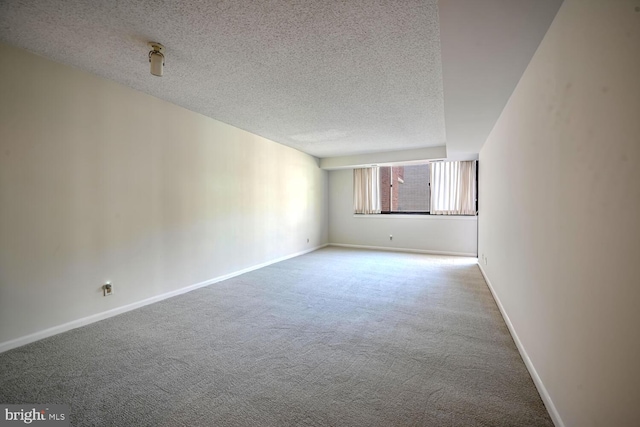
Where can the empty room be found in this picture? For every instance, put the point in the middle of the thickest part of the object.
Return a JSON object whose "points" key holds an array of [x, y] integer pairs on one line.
{"points": [[320, 213]]}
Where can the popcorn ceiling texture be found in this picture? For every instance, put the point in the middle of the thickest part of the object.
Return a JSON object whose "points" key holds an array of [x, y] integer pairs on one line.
{"points": [[326, 77]]}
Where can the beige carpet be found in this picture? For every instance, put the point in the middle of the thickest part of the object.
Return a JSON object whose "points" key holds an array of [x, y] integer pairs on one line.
{"points": [[337, 337]]}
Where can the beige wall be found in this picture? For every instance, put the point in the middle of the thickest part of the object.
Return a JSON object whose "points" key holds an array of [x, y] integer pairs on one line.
{"points": [[100, 182], [560, 212], [428, 233]]}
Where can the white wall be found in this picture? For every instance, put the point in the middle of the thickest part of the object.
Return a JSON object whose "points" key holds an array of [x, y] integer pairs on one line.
{"points": [[100, 182], [437, 234], [386, 158], [560, 212]]}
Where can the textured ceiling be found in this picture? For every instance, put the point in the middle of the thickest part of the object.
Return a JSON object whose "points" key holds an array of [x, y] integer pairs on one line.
{"points": [[331, 78], [327, 77]]}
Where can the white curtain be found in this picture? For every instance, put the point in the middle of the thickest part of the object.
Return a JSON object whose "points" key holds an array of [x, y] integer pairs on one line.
{"points": [[366, 191], [453, 188]]}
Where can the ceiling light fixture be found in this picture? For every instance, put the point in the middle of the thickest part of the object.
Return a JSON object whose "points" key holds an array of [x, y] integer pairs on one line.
{"points": [[156, 58]]}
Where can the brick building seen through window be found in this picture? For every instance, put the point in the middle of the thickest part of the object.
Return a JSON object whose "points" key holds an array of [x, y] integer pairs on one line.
{"points": [[405, 189]]}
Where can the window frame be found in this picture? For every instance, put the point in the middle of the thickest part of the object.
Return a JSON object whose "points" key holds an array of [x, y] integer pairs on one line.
{"points": [[390, 212], [422, 213]]}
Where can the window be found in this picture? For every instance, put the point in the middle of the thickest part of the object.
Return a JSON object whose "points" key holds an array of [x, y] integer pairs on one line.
{"points": [[438, 188], [405, 189]]}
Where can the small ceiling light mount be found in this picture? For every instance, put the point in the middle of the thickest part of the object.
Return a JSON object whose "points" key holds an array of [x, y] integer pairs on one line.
{"points": [[156, 58]]}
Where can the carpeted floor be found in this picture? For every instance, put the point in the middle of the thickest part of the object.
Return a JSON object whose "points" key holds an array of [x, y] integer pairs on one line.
{"points": [[337, 337]]}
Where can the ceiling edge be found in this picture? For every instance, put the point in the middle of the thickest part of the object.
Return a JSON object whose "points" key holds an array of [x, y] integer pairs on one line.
{"points": [[387, 157]]}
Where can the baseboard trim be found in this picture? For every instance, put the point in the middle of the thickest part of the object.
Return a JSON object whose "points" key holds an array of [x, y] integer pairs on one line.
{"points": [[551, 408], [417, 251], [27, 339]]}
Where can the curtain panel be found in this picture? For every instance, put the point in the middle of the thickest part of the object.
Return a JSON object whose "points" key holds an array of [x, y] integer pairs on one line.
{"points": [[453, 188], [366, 190]]}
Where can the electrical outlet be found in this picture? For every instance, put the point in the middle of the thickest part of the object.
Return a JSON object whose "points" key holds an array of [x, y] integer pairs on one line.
{"points": [[107, 289], [485, 261], [390, 236]]}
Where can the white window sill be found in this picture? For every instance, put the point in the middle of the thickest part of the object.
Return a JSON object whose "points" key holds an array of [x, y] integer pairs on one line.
{"points": [[418, 216]]}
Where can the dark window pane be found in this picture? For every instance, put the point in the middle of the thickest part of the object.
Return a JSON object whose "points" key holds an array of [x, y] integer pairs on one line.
{"points": [[385, 188], [411, 189], [405, 188]]}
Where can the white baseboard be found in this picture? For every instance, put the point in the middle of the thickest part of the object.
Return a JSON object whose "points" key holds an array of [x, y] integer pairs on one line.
{"points": [[551, 408], [18, 342], [418, 251]]}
